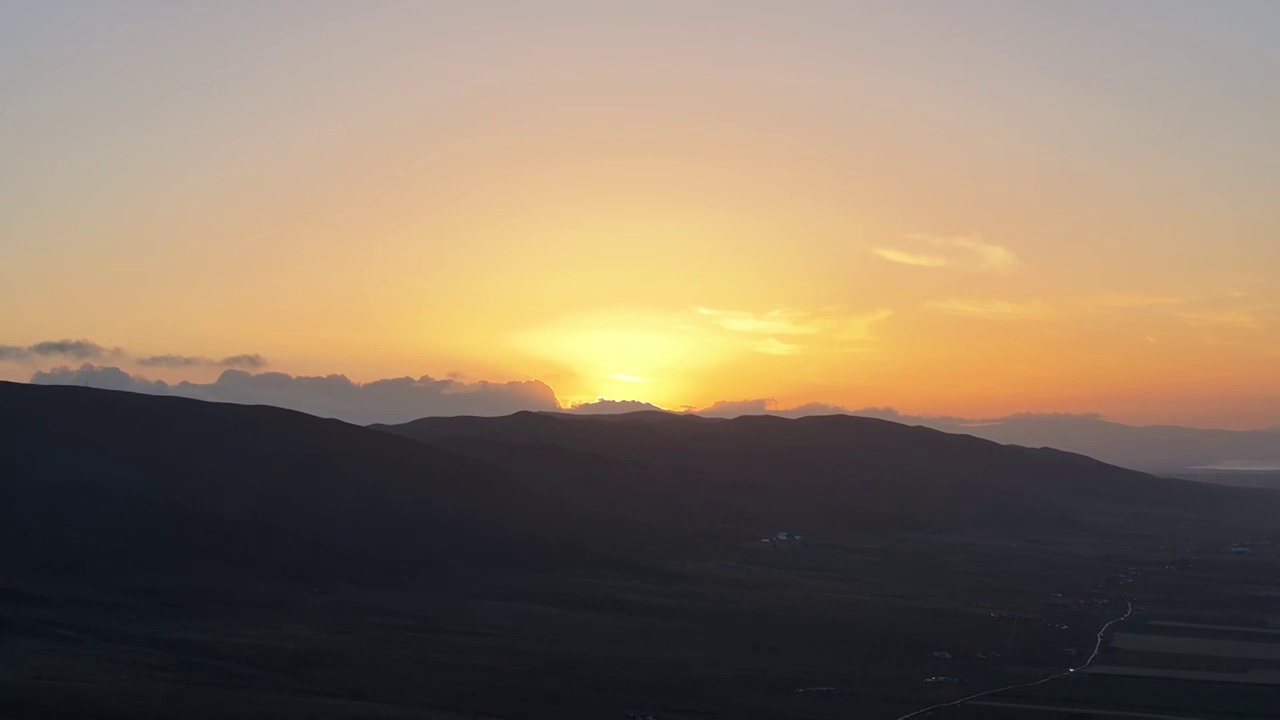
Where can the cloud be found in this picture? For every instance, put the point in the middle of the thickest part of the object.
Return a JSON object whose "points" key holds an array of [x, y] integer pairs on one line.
{"points": [[989, 308], [813, 408], [185, 361], [73, 349], [1238, 318], [992, 257], [89, 350], [774, 346], [970, 250], [613, 407], [906, 258], [106, 378], [1133, 300], [737, 408], [387, 401], [845, 329], [776, 322], [251, 361], [173, 361]]}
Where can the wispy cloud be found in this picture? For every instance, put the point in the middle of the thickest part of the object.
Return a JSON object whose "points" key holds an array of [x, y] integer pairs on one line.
{"points": [[72, 349], [249, 361], [830, 328], [627, 378], [990, 308], [776, 322], [957, 250], [173, 361], [89, 350], [1245, 318], [860, 327], [907, 258], [774, 346], [252, 360], [992, 257], [1133, 300]]}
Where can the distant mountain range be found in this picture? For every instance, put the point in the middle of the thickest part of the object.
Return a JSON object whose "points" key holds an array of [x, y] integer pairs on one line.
{"points": [[1164, 449], [1153, 448], [1159, 449]]}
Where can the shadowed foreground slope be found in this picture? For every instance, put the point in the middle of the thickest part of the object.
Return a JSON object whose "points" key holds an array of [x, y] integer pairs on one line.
{"points": [[162, 557]]}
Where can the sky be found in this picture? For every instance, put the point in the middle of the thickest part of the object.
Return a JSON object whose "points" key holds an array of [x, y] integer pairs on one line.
{"points": [[965, 209]]}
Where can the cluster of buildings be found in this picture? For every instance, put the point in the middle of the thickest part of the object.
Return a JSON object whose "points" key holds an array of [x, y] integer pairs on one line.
{"points": [[782, 540]]}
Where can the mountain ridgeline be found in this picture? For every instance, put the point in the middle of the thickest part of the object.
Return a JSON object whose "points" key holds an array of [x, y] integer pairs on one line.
{"points": [[117, 484]]}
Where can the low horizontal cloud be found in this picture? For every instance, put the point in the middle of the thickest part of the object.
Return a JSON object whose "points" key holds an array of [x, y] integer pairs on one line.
{"points": [[173, 361], [244, 361], [612, 407], [387, 401], [989, 308], [70, 349], [737, 408], [253, 361], [89, 350]]}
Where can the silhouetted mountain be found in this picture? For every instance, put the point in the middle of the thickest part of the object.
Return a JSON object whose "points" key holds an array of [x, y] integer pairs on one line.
{"points": [[122, 485], [164, 557], [855, 471], [110, 483]]}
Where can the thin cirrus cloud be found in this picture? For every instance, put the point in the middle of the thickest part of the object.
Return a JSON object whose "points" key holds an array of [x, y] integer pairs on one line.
{"points": [[990, 308], [830, 329], [951, 250], [775, 322], [1238, 318], [774, 346], [1121, 301], [907, 258]]}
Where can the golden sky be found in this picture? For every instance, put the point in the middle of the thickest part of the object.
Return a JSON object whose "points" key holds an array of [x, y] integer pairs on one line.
{"points": [[967, 209]]}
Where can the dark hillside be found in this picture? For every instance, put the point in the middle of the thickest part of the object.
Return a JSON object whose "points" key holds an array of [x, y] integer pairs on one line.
{"points": [[163, 558], [859, 470]]}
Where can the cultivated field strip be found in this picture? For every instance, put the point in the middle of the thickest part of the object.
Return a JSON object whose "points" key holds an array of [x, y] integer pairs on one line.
{"points": [[1196, 646]]}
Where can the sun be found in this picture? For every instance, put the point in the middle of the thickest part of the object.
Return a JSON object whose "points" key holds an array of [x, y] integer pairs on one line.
{"points": [[625, 355]]}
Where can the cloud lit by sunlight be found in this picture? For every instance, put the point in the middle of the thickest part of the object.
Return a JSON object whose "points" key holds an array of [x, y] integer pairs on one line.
{"points": [[990, 308], [774, 346], [775, 322], [974, 251], [906, 258]]}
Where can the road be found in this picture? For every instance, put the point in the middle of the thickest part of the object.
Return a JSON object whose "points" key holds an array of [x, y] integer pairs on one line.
{"points": [[1097, 648]]}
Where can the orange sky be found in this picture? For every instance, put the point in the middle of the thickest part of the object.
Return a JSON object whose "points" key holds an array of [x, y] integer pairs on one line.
{"points": [[949, 211]]}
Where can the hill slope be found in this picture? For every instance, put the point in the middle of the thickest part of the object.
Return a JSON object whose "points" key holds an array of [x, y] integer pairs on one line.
{"points": [[859, 470]]}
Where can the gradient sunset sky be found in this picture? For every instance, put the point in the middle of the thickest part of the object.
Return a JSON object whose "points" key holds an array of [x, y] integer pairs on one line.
{"points": [[961, 208]]}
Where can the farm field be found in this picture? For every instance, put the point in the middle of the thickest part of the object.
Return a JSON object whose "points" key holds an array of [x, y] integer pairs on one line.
{"points": [[1198, 647]]}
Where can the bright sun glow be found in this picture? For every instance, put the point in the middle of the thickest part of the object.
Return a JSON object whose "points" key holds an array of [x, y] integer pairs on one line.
{"points": [[641, 356]]}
